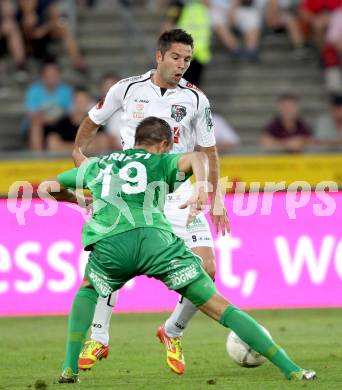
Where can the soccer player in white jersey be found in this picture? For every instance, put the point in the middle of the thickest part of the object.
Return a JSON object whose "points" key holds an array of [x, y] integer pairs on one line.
{"points": [[164, 93]]}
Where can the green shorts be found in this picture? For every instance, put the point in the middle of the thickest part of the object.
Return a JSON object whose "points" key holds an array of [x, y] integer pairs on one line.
{"points": [[145, 251]]}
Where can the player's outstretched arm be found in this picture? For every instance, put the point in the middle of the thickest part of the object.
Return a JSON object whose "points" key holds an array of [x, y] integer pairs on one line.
{"points": [[86, 132], [57, 191], [196, 163], [218, 212]]}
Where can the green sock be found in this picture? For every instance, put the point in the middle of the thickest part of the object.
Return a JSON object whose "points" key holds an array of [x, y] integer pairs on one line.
{"points": [[80, 318], [251, 333]]}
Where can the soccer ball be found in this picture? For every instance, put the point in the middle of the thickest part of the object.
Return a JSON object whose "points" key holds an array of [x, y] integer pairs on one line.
{"points": [[241, 353]]}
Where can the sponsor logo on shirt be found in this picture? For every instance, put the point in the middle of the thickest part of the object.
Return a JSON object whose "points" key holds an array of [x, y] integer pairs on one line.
{"points": [[208, 119], [146, 101], [176, 135], [139, 111], [178, 112], [192, 86], [100, 103], [131, 79]]}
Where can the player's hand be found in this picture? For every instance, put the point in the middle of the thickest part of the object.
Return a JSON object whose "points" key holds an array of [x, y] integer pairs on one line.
{"points": [[78, 157], [219, 216], [196, 203]]}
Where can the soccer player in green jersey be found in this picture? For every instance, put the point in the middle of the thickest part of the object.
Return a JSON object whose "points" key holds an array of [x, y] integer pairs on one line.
{"points": [[128, 235]]}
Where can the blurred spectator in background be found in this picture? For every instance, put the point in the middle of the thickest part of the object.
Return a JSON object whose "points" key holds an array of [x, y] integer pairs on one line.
{"points": [[193, 17], [280, 15], [219, 13], [46, 101], [328, 127], [195, 20], [316, 14], [334, 39], [334, 34], [11, 39], [60, 136], [87, 3], [287, 131], [107, 81], [246, 17], [113, 126], [173, 11], [42, 22], [225, 135]]}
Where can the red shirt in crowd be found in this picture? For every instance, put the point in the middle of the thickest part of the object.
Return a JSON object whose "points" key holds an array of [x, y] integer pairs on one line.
{"points": [[317, 6]]}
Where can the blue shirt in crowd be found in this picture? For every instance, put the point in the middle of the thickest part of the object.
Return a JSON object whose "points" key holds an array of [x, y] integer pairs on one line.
{"points": [[38, 98]]}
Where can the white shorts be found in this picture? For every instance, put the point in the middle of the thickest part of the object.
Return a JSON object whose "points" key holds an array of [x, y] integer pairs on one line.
{"points": [[219, 15], [198, 233], [247, 19], [244, 18]]}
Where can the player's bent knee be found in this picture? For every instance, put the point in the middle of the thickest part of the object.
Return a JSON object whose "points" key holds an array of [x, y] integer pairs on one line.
{"points": [[199, 291]]}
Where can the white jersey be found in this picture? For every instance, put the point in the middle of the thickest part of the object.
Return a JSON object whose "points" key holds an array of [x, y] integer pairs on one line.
{"points": [[185, 108], [187, 111]]}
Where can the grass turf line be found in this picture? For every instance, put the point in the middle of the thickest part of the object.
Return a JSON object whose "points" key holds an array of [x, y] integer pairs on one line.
{"points": [[32, 351]]}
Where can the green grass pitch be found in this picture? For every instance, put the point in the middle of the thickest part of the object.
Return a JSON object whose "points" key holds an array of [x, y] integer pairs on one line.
{"points": [[32, 352]]}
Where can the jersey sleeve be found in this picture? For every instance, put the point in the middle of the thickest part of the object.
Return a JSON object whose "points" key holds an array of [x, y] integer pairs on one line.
{"points": [[79, 177], [203, 123], [172, 175], [109, 104], [68, 178]]}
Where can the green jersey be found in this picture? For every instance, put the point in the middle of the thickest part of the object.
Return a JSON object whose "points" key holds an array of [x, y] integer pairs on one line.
{"points": [[128, 188]]}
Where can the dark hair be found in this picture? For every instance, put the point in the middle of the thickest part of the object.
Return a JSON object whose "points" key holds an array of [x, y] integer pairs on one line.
{"points": [[288, 96], [336, 100], [153, 130], [174, 36]]}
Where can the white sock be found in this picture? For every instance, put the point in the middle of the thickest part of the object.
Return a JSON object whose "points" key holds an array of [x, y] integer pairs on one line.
{"points": [[180, 317], [102, 316]]}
